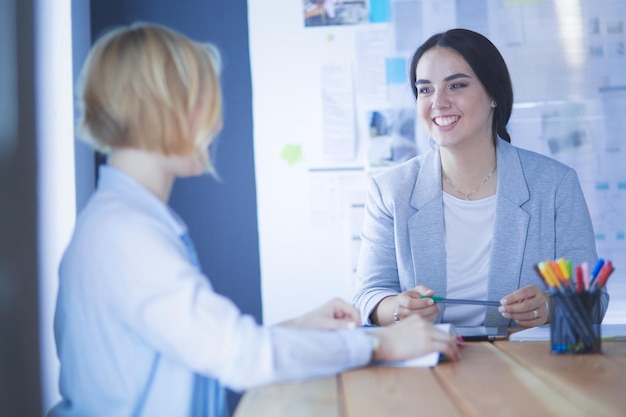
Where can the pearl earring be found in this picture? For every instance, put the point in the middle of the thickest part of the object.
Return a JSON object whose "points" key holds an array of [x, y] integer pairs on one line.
{"points": [[494, 103]]}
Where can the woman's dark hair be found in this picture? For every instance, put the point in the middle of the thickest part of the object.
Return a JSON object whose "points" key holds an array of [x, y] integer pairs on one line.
{"points": [[486, 62]]}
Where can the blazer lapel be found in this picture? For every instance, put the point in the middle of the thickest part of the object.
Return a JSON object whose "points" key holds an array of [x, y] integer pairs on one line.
{"points": [[510, 230], [428, 255]]}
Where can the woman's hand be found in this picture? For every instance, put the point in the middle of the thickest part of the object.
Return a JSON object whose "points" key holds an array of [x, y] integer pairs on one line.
{"points": [[414, 337], [332, 315], [408, 303], [528, 306]]}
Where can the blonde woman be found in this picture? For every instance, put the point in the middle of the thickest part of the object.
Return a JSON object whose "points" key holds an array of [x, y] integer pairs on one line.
{"points": [[139, 329]]}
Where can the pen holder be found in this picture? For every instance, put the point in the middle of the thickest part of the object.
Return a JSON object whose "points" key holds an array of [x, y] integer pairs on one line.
{"points": [[571, 323]]}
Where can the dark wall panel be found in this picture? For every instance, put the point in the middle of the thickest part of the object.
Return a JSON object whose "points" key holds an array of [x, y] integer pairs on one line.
{"points": [[19, 297]]}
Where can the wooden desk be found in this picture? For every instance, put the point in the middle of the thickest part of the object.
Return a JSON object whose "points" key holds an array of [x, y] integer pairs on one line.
{"points": [[499, 379]]}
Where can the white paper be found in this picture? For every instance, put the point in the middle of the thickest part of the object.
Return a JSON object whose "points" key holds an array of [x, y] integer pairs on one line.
{"points": [[542, 333], [425, 361]]}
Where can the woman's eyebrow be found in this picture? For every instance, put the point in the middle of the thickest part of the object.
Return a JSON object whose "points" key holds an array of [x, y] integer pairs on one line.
{"points": [[448, 78], [456, 76]]}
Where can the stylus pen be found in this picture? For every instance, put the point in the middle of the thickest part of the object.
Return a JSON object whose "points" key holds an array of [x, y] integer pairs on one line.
{"points": [[460, 301]]}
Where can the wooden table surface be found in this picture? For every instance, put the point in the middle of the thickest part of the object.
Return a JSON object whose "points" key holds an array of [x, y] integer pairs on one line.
{"points": [[491, 379]]}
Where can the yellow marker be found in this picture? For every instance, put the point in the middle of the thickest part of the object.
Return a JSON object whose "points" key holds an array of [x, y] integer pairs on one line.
{"points": [[565, 271]]}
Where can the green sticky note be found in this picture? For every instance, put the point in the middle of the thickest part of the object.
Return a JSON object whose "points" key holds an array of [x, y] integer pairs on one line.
{"points": [[291, 154]]}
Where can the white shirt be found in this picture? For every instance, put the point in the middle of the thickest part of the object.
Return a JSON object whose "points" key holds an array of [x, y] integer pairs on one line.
{"points": [[135, 319], [468, 231]]}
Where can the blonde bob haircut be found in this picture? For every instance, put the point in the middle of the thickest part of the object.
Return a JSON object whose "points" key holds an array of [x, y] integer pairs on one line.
{"points": [[148, 87]]}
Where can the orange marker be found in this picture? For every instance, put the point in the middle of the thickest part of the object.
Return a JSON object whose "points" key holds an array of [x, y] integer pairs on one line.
{"points": [[564, 269], [548, 274]]}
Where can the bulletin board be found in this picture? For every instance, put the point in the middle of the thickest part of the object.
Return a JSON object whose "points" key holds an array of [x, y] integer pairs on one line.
{"points": [[332, 105]]}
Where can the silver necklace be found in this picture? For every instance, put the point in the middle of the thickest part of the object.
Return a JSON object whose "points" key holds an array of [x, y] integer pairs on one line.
{"points": [[467, 195]]}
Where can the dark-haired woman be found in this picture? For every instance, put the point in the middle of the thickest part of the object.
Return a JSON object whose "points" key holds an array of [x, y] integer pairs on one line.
{"points": [[471, 217]]}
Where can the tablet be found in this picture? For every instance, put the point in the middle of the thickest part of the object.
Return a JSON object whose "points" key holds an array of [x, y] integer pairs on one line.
{"points": [[474, 333]]}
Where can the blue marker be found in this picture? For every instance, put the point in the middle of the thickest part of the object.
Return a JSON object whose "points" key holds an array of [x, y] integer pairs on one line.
{"points": [[596, 270]]}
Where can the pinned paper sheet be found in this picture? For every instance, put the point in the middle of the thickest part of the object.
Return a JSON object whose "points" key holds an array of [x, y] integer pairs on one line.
{"points": [[339, 142]]}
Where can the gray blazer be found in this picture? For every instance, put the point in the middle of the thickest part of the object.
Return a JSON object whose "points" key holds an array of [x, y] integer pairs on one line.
{"points": [[541, 214]]}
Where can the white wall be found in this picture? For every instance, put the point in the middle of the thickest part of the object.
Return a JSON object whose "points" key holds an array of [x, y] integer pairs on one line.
{"points": [[566, 59]]}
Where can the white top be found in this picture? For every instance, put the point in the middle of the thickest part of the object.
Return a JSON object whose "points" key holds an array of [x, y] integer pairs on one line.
{"points": [[468, 230], [135, 319]]}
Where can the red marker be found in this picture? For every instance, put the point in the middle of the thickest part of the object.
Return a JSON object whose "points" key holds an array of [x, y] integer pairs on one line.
{"points": [[579, 279], [603, 275]]}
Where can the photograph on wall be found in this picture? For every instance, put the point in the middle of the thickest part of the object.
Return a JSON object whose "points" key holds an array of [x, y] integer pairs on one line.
{"points": [[335, 12], [391, 137]]}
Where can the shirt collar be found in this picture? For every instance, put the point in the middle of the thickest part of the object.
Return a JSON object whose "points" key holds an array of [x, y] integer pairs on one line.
{"points": [[116, 180]]}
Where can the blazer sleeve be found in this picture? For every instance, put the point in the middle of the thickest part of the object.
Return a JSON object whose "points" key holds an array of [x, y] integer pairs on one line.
{"points": [[575, 238], [377, 271]]}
